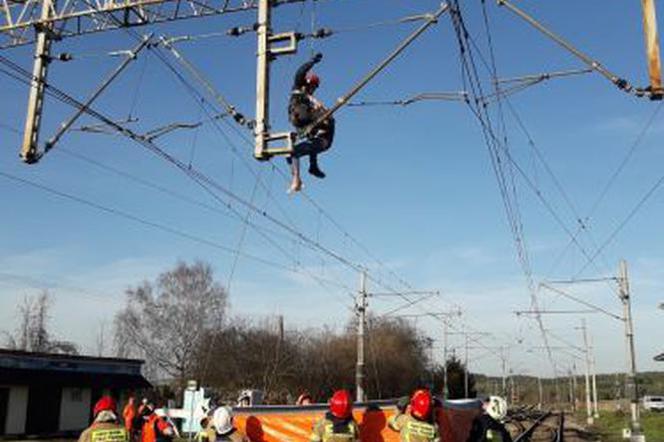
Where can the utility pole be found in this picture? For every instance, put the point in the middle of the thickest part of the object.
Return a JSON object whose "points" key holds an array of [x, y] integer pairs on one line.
{"points": [[361, 309], [539, 392], [593, 367], [624, 294], [265, 54], [652, 48], [45, 34], [503, 363], [589, 415], [571, 389], [576, 388], [625, 298], [446, 390], [465, 373]]}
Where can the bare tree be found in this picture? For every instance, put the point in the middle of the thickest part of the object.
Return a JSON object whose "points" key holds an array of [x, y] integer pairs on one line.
{"points": [[167, 322], [32, 333]]}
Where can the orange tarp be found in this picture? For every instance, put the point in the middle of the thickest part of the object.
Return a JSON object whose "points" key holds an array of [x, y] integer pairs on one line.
{"points": [[295, 425]]}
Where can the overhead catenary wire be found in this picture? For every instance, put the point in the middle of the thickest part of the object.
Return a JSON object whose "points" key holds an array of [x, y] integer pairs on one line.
{"points": [[473, 84], [71, 101], [205, 182], [619, 82], [612, 179], [202, 100]]}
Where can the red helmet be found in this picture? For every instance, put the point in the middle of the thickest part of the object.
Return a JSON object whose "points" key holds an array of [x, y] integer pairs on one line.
{"points": [[341, 404], [313, 80], [105, 403], [421, 404]]}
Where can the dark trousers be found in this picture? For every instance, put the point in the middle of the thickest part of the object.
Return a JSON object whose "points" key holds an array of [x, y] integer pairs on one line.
{"points": [[311, 146]]}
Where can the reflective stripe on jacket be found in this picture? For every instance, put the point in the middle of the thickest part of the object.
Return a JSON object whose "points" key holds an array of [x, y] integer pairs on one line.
{"points": [[414, 430], [323, 431]]}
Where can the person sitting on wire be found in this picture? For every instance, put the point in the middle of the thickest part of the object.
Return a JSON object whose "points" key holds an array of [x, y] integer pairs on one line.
{"points": [[304, 110]]}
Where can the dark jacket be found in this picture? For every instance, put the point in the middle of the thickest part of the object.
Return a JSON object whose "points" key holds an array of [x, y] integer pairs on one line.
{"points": [[482, 425]]}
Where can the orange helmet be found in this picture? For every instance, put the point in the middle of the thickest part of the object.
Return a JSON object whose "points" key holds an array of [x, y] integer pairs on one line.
{"points": [[341, 404], [105, 403], [312, 80], [421, 404]]}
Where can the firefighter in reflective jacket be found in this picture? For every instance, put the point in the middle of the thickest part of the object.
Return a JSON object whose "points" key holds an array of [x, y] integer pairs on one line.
{"points": [[338, 424], [487, 426], [106, 426], [415, 422], [156, 428]]}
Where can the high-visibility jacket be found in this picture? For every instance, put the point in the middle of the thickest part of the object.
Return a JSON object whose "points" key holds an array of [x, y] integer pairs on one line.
{"points": [[129, 414], [155, 429], [104, 432], [327, 430], [414, 430]]}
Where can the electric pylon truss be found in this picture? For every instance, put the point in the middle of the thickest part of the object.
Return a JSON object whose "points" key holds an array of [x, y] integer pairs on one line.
{"points": [[20, 18]]}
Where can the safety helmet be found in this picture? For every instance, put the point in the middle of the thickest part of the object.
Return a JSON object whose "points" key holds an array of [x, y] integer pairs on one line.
{"points": [[105, 403], [496, 407], [312, 80], [222, 419], [421, 404], [341, 404]]}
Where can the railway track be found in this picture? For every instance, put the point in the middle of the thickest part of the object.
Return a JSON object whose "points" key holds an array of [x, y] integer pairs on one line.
{"points": [[540, 426]]}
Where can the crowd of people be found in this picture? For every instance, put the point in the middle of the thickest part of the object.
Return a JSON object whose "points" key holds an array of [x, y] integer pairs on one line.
{"points": [[416, 420], [144, 423]]}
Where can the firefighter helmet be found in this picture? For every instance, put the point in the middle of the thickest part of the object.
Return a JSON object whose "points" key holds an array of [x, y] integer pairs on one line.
{"points": [[341, 404], [421, 404], [496, 407], [105, 403], [222, 420]]}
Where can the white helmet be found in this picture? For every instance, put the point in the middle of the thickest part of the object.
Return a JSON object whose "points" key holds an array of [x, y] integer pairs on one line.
{"points": [[496, 407], [222, 419]]}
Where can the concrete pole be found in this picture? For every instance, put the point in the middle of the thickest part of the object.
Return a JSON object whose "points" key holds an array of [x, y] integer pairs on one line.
{"points": [[629, 336], [539, 393], [446, 390], [263, 32], [361, 307], [465, 373], [503, 361], [576, 387], [652, 47], [589, 415], [30, 148], [593, 366], [571, 388]]}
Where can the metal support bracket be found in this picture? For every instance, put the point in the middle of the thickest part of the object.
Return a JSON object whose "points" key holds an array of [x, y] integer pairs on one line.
{"points": [[291, 48], [284, 148]]}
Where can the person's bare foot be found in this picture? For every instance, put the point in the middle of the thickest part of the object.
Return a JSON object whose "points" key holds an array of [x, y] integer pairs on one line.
{"points": [[296, 186]]}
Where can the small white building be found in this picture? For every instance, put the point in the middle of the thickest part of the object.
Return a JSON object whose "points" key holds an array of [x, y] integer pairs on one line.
{"points": [[49, 394]]}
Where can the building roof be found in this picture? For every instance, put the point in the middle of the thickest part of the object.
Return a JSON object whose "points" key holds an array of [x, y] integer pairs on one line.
{"points": [[72, 379], [21, 367], [34, 354]]}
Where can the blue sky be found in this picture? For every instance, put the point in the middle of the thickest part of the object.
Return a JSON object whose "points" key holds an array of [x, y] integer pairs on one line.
{"points": [[413, 185]]}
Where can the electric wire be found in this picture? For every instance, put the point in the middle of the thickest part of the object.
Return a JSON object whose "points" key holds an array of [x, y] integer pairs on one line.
{"points": [[202, 180]]}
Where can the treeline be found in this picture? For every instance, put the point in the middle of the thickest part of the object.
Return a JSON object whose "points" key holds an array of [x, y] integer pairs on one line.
{"points": [[180, 325]]}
